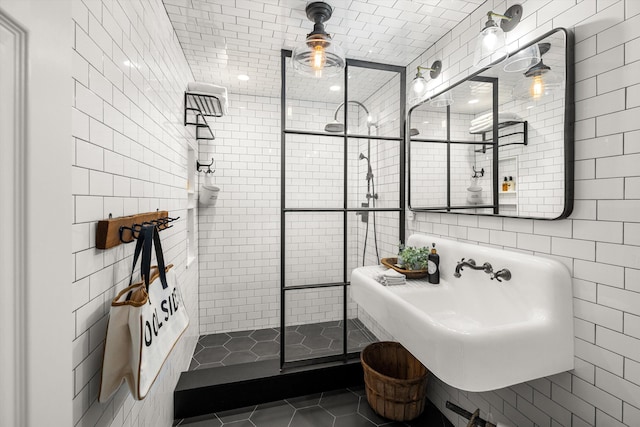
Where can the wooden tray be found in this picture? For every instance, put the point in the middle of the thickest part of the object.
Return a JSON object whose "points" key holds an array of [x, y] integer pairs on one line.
{"points": [[410, 274]]}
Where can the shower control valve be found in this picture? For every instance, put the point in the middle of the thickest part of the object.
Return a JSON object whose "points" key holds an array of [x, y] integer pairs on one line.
{"points": [[372, 196]]}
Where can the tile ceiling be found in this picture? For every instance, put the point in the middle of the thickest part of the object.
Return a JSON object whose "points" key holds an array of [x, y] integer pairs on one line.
{"points": [[224, 38]]}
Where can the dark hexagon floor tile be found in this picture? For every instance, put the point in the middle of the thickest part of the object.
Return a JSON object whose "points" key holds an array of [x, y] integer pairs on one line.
{"points": [[193, 365], [340, 402], [237, 357], [313, 416], [365, 410], [336, 345], [359, 390], [209, 420], [214, 340], [241, 423], [237, 414], [264, 334], [274, 414], [357, 337], [329, 324], [240, 344], [240, 333], [296, 350], [334, 332], [353, 420], [310, 329], [305, 401], [199, 347], [266, 348], [211, 354], [316, 342], [291, 338]]}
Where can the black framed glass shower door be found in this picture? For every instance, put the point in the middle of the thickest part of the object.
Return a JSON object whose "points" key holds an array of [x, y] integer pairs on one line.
{"points": [[342, 200]]}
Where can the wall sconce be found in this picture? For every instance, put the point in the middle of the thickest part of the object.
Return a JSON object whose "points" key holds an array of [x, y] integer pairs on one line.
{"points": [[491, 42], [418, 87], [318, 56], [541, 79]]}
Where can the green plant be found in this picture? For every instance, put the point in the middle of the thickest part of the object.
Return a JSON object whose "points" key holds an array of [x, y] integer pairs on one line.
{"points": [[414, 258]]}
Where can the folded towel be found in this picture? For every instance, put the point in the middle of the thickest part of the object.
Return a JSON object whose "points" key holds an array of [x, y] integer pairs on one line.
{"points": [[220, 92], [391, 277], [484, 123], [503, 116]]}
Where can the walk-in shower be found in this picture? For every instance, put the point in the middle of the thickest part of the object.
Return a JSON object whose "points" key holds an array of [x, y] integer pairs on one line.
{"points": [[337, 127]]}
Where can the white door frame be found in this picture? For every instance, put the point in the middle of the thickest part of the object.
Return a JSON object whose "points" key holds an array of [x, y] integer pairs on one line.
{"points": [[35, 213]]}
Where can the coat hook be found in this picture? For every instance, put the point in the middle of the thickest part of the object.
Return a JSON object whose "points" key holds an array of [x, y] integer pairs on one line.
{"points": [[477, 174], [202, 165]]}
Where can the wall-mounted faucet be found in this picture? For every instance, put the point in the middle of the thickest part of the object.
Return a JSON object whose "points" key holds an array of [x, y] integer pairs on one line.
{"points": [[499, 275], [486, 267]]}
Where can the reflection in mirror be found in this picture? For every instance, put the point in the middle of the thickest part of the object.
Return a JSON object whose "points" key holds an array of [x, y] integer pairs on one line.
{"points": [[526, 157]]}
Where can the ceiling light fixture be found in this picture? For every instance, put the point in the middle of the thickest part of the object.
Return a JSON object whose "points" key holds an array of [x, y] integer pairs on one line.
{"points": [[418, 87], [334, 88], [318, 56], [491, 43], [243, 77], [473, 101]]}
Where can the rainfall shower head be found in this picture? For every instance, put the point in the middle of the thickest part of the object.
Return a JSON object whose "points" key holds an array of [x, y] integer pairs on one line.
{"points": [[334, 127]]}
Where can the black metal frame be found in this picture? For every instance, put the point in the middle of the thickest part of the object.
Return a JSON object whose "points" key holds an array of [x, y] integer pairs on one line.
{"points": [[284, 55], [205, 106], [569, 119]]}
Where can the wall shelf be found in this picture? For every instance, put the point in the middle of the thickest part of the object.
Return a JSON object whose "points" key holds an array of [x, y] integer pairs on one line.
{"points": [[524, 133], [197, 107]]}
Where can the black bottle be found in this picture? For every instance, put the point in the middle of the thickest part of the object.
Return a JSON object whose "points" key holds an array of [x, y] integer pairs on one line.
{"points": [[433, 275]]}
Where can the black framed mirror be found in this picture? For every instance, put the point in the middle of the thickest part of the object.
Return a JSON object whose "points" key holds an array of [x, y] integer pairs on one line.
{"points": [[458, 161]]}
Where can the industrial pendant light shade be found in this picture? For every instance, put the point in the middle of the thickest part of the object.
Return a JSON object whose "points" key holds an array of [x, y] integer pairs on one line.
{"points": [[491, 44], [541, 80], [319, 56], [418, 87]]}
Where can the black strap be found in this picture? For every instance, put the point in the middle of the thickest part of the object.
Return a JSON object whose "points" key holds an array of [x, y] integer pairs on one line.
{"points": [[152, 238], [136, 255]]}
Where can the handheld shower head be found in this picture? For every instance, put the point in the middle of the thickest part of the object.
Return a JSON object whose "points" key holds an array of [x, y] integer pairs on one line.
{"points": [[369, 170]]}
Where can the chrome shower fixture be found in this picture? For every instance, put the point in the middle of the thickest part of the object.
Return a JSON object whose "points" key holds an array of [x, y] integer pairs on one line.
{"points": [[337, 127]]}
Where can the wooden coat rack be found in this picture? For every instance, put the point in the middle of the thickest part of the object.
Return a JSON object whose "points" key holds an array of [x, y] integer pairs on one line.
{"points": [[113, 231]]}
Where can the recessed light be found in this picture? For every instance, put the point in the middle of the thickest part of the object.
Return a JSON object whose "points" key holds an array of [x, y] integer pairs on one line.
{"points": [[473, 101], [243, 77], [529, 107], [426, 122], [334, 88]]}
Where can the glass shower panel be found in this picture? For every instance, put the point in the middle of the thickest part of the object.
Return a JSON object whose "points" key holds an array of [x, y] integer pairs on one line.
{"points": [[310, 103], [428, 184], [371, 237], [358, 334], [314, 172], [428, 123], [374, 102], [314, 244], [373, 173], [314, 323]]}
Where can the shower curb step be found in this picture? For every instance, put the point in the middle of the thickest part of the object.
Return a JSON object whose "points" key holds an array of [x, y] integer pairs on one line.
{"points": [[206, 391]]}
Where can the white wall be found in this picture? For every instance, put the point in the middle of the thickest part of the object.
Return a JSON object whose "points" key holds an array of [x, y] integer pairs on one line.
{"points": [[599, 243], [129, 156]]}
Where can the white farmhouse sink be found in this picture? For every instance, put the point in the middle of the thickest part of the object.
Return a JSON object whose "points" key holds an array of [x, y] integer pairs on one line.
{"points": [[474, 333]]}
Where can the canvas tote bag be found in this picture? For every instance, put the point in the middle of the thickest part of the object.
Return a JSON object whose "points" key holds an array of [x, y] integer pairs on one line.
{"points": [[145, 322]]}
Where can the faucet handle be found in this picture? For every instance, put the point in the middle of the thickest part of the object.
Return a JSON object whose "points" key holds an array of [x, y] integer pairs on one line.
{"points": [[504, 273]]}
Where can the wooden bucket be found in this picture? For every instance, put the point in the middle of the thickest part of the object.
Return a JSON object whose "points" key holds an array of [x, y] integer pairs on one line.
{"points": [[395, 381]]}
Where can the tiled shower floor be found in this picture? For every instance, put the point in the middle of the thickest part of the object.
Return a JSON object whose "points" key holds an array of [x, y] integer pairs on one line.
{"points": [[302, 342], [337, 408]]}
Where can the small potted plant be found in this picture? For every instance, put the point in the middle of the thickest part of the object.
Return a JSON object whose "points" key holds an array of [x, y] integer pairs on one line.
{"points": [[414, 258]]}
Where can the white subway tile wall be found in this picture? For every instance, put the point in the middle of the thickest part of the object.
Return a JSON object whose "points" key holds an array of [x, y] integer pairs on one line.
{"points": [[598, 242], [130, 157]]}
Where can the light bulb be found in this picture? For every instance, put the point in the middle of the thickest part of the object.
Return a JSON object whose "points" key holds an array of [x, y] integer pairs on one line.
{"points": [[490, 39], [318, 58], [418, 85], [537, 87]]}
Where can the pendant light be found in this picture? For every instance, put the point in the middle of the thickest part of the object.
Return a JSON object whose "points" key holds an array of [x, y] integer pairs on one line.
{"points": [[540, 80], [319, 56], [491, 42], [523, 59], [418, 86]]}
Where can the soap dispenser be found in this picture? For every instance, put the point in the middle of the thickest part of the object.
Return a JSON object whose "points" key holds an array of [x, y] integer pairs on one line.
{"points": [[433, 266]]}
